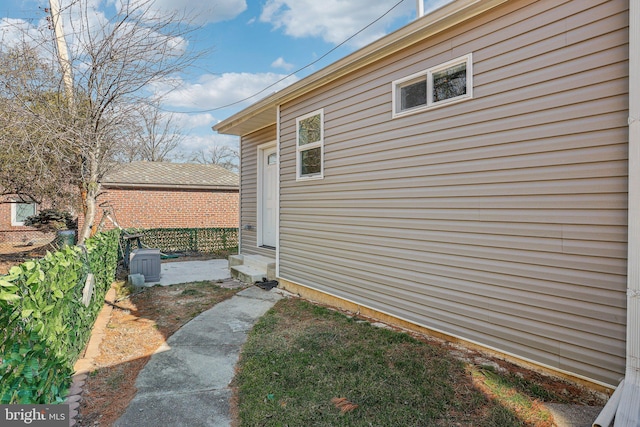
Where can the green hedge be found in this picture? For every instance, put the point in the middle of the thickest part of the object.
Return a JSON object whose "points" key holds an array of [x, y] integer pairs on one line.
{"points": [[220, 241], [45, 326]]}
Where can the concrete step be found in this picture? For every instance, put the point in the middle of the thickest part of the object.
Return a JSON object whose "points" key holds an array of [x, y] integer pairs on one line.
{"points": [[236, 260], [247, 274], [258, 261], [252, 268]]}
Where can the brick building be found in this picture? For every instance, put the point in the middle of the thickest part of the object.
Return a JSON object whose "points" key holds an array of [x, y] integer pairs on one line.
{"points": [[14, 235], [170, 195]]}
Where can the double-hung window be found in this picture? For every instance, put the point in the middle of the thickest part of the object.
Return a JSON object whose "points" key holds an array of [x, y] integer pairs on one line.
{"points": [[440, 85], [21, 211], [310, 145]]}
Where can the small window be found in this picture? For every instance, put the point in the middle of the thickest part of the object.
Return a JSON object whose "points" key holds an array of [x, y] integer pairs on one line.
{"points": [[413, 95], [443, 84], [21, 211], [310, 145], [272, 159]]}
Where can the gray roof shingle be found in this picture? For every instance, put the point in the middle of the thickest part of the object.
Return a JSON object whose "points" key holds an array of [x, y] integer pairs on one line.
{"points": [[161, 174]]}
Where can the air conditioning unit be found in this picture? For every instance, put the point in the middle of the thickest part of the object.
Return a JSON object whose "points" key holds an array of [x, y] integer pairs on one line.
{"points": [[145, 262]]}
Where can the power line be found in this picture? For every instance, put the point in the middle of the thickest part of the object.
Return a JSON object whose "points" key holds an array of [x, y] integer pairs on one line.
{"points": [[297, 71]]}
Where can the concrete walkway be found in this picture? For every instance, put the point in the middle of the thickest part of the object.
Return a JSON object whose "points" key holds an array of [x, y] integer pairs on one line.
{"points": [[186, 382]]}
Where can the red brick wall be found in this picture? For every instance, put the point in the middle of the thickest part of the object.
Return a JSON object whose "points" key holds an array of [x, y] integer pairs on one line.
{"points": [[16, 234], [163, 208], [5, 215]]}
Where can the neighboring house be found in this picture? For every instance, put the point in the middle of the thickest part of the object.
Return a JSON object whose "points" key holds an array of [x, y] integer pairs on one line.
{"points": [[13, 232], [466, 174], [170, 195]]}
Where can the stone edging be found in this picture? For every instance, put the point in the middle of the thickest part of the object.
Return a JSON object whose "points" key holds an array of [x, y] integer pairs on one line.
{"points": [[85, 365]]}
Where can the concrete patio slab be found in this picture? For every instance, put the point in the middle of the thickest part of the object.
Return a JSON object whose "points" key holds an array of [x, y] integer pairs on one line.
{"points": [[173, 273]]}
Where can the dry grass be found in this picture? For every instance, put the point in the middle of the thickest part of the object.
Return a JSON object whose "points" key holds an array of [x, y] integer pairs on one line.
{"points": [[307, 365]]}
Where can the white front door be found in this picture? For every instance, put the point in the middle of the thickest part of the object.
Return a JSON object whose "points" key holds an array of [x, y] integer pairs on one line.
{"points": [[268, 195]]}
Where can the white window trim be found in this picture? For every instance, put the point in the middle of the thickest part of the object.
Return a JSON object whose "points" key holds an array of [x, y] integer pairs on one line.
{"points": [[15, 223], [309, 146], [428, 76]]}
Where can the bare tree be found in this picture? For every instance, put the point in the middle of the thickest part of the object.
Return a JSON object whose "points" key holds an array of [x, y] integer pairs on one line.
{"points": [[34, 165], [154, 138], [221, 155], [113, 60]]}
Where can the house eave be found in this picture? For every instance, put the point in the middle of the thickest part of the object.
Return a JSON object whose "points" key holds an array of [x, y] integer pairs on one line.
{"points": [[263, 113]]}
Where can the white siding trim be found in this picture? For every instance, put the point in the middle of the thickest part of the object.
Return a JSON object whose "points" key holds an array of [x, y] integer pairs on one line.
{"points": [[278, 192]]}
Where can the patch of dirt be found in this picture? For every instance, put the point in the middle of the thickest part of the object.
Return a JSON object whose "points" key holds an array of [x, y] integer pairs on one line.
{"points": [[139, 325], [8, 260]]}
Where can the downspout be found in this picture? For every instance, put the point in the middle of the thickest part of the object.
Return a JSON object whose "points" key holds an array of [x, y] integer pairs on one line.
{"points": [[626, 405]]}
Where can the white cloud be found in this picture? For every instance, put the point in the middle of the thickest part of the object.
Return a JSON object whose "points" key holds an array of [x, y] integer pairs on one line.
{"points": [[281, 63], [190, 121], [332, 20], [14, 32], [215, 91], [335, 20], [201, 12]]}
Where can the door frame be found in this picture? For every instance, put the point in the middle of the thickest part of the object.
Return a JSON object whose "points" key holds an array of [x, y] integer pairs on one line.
{"points": [[259, 202]]}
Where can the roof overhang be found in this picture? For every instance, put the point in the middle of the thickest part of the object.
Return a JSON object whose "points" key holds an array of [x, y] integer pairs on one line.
{"points": [[264, 112], [190, 187]]}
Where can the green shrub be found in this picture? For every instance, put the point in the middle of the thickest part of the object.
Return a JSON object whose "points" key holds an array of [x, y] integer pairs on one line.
{"points": [[52, 220], [44, 324]]}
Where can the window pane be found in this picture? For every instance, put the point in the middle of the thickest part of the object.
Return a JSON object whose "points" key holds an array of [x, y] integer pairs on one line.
{"points": [[24, 210], [309, 130], [413, 95], [450, 83], [310, 161], [272, 158]]}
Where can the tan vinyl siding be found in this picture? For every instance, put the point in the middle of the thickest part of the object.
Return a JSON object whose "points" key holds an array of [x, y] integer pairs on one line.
{"points": [[501, 219], [249, 190]]}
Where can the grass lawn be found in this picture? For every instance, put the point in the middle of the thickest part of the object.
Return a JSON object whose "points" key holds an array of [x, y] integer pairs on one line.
{"points": [[304, 365]]}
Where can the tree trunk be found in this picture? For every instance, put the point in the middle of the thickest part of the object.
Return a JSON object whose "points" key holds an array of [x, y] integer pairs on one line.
{"points": [[89, 205]]}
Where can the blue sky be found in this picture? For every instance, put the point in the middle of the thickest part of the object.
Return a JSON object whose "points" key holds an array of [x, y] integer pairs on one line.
{"points": [[252, 44]]}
